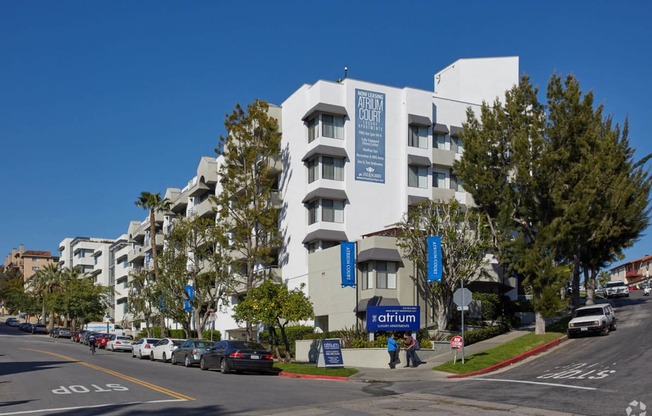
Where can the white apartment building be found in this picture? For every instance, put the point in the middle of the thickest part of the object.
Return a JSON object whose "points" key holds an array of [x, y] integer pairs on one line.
{"points": [[119, 279], [92, 257], [360, 153], [357, 155]]}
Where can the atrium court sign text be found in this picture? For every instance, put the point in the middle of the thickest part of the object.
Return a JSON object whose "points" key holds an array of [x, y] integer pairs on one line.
{"points": [[369, 136]]}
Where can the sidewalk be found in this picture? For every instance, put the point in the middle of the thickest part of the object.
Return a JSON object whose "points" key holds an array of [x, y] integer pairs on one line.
{"points": [[425, 372]]}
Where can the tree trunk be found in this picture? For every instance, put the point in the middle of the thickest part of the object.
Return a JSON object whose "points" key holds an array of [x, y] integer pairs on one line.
{"points": [[575, 284], [540, 324], [442, 318]]}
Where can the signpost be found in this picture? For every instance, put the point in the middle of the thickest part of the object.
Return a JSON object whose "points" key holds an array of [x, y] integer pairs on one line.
{"points": [[462, 298], [457, 343]]}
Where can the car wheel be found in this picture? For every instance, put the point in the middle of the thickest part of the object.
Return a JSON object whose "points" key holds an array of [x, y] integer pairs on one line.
{"points": [[173, 359], [164, 358], [187, 362], [613, 326], [202, 364], [224, 366], [140, 354], [569, 335], [605, 331], [151, 356]]}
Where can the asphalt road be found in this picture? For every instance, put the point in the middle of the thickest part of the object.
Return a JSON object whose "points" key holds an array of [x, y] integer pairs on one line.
{"points": [[600, 375]]}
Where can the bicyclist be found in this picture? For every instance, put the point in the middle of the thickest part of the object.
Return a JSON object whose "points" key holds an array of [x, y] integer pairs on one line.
{"points": [[91, 342]]}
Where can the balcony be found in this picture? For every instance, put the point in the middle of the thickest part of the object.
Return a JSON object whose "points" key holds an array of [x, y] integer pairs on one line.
{"points": [[137, 255], [204, 209], [632, 273], [442, 194], [443, 157]]}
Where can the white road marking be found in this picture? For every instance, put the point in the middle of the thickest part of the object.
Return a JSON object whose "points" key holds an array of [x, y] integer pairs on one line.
{"points": [[26, 412], [532, 382]]}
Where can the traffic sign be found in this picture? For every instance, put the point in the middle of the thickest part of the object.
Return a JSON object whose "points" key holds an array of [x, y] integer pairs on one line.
{"points": [[462, 297], [457, 342], [462, 308]]}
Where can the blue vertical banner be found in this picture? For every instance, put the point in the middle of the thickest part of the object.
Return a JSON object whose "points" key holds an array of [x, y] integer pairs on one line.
{"points": [[434, 258], [369, 136], [347, 259], [190, 292]]}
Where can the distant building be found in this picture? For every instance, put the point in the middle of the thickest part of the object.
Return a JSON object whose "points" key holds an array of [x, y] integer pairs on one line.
{"points": [[633, 273], [28, 262]]}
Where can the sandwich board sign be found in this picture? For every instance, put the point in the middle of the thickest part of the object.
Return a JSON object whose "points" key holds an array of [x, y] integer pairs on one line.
{"points": [[330, 353]]}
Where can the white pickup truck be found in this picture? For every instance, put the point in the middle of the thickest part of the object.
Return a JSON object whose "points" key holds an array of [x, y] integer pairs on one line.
{"points": [[598, 318], [616, 289]]}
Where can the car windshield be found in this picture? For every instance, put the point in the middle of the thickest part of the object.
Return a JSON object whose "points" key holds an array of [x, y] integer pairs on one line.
{"points": [[588, 312], [615, 284], [201, 344]]}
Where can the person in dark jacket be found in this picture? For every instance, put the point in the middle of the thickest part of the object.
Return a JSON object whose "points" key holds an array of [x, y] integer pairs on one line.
{"points": [[392, 349]]}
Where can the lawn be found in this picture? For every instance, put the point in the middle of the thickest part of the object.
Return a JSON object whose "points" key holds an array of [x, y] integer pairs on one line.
{"points": [[307, 368], [499, 354]]}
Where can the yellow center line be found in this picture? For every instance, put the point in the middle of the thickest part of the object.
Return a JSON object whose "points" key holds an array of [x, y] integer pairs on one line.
{"points": [[119, 375]]}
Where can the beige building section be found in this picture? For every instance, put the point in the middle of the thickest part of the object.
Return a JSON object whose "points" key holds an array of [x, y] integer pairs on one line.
{"points": [[28, 262]]}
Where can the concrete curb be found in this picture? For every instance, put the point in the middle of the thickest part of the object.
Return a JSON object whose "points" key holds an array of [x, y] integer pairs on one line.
{"points": [[313, 376], [513, 360]]}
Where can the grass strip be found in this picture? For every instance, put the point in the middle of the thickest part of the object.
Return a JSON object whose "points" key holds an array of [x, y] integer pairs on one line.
{"points": [[307, 368], [498, 354]]}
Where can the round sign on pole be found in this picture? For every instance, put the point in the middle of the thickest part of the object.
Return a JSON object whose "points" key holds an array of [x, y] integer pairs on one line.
{"points": [[457, 342]]}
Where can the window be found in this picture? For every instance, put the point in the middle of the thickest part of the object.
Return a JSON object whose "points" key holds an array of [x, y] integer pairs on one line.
{"points": [[417, 176], [332, 168], [332, 126], [459, 146], [439, 141], [313, 165], [418, 136], [366, 276], [36, 268], [385, 275], [332, 211], [312, 129], [439, 180], [312, 212], [456, 184]]}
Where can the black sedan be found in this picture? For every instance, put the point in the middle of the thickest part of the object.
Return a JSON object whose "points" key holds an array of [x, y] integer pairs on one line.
{"points": [[237, 356], [190, 352]]}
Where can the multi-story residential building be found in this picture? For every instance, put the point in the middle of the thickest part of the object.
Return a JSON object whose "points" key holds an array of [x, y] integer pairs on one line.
{"points": [[90, 256], [358, 155], [634, 273], [28, 262], [119, 279]]}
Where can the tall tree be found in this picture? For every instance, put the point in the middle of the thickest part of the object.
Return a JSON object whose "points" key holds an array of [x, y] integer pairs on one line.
{"points": [[43, 284], [154, 203], [465, 244], [195, 256], [502, 168], [566, 189], [273, 305], [142, 297], [244, 203]]}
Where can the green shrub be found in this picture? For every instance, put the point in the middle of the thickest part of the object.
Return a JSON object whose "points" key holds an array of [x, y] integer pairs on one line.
{"points": [[477, 335], [490, 307]]}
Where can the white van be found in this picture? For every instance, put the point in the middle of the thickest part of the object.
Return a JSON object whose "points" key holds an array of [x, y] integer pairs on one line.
{"points": [[104, 327]]}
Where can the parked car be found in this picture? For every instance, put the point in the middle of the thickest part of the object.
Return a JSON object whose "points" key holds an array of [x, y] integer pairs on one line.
{"points": [[39, 329], [190, 352], [598, 318], [12, 322], [143, 347], [77, 335], [616, 289], [101, 340], [237, 356], [63, 333], [26, 326], [119, 343], [54, 331], [164, 348]]}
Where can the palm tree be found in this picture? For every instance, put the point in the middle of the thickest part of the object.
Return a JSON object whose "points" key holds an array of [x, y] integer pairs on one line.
{"points": [[43, 283], [154, 203]]}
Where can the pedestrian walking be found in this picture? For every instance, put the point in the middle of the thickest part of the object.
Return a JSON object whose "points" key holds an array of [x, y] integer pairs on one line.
{"points": [[410, 352], [392, 349]]}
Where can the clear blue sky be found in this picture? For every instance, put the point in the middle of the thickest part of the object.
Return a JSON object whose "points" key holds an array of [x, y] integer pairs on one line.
{"points": [[102, 100]]}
